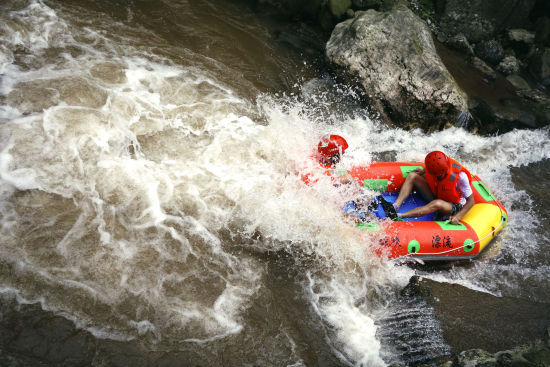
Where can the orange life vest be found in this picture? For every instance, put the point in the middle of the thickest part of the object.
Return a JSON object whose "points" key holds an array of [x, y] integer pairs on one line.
{"points": [[308, 176], [446, 188]]}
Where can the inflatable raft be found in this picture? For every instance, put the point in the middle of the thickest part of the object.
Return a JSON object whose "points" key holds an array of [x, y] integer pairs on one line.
{"points": [[424, 238]]}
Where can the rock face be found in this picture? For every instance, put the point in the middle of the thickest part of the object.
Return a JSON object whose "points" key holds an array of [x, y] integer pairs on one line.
{"points": [[393, 57], [490, 51], [508, 65], [479, 20], [540, 68], [537, 354], [521, 35], [460, 42], [483, 68]]}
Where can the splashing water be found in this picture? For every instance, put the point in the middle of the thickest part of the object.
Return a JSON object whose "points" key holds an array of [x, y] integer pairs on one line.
{"points": [[141, 193]]}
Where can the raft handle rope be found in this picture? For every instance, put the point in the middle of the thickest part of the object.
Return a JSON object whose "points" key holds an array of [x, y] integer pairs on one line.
{"points": [[458, 248]]}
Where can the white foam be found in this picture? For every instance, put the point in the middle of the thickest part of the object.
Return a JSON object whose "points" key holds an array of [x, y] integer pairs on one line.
{"points": [[490, 157], [171, 162], [124, 194], [20, 178], [343, 303]]}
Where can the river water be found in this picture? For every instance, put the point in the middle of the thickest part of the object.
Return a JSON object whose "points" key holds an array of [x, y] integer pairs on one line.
{"points": [[151, 211]]}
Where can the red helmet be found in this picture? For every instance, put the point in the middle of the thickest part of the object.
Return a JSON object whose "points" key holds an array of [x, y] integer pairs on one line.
{"points": [[437, 163], [332, 144]]}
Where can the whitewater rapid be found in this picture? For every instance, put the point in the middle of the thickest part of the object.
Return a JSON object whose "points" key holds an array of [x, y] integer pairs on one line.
{"points": [[140, 192]]}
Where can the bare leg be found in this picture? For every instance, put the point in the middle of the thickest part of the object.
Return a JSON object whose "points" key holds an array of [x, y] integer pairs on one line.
{"points": [[413, 181], [433, 206]]}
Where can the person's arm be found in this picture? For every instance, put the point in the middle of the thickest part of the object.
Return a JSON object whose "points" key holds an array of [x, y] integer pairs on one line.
{"points": [[419, 171], [470, 201]]}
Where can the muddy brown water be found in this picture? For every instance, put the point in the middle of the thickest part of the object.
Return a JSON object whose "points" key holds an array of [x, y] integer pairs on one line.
{"points": [[151, 214]]}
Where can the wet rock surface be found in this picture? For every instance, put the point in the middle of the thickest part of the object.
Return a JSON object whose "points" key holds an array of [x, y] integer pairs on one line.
{"points": [[485, 330], [32, 337], [521, 36], [460, 42], [497, 39], [497, 103], [510, 37], [508, 65], [392, 56], [483, 68], [471, 319], [490, 51], [480, 20], [540, 67]]}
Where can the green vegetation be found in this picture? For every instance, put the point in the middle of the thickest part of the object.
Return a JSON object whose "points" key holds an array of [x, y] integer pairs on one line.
{"points": [[427, 9], [339, 7]]}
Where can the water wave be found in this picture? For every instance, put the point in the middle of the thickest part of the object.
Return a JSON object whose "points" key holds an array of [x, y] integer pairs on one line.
{"points": [[141, 195]]}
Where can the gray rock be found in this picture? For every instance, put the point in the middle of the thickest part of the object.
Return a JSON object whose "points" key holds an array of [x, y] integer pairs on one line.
{"points": [[536, 96], [483, 68], [521, 35], [476, 357], [339, 7], [508, 65], [474, 27], [504, 358], [491, 118], [481, 19], [460, 42], [538, 104], [521, 41], [533, 355], [513, 358], [490, 51], [393, 57], [540, 64], [518, 82]]}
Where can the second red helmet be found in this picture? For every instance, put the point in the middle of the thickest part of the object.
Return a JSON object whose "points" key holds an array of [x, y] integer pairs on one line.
{"points": [[332, 144], [437, 163]]}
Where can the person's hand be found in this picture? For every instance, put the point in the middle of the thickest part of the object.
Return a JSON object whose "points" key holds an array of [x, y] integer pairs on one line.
{"points": [[345, 179], [454, 220], [419, 171], [352, 218]]}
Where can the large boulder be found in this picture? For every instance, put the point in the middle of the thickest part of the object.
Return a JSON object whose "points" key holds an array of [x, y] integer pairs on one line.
{"points": [[393, 57], [480, 20]]}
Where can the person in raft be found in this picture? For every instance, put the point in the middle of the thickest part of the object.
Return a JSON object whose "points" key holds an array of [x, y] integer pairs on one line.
{"points": [[330, 150], [329, 153], [447, 186]]}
